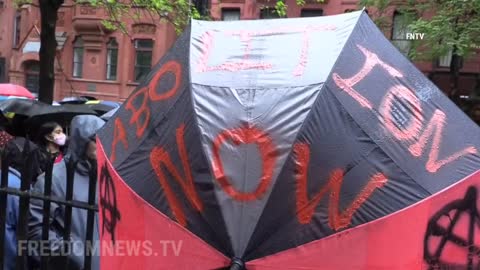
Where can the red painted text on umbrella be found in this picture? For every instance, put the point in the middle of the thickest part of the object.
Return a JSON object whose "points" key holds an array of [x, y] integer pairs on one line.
{"points": [[419, 132]]}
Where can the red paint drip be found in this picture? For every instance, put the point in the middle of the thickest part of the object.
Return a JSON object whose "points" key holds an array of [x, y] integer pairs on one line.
{"points": [[119, 135], [169, 67], [158, 158], [144, 111], [306, 207], [207, 41], [283, 30], [245, 135], [237, 66], [246, 36], [435, 128], [337, 220], [347, 87], [300, 69], [414, 128], [371, 61]]}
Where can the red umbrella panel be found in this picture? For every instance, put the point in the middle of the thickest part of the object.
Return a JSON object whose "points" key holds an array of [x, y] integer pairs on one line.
{"points": [[235, 152], [440, 232], [15, 91]]}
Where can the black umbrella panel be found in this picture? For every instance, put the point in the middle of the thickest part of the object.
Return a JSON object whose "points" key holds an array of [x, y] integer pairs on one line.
{"points": [[24, 107], [61, 114], [30, 114]]}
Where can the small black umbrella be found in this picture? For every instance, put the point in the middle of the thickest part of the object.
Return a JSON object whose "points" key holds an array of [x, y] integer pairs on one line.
{"points": [[31, 114], [73, 100], [100, 108], [24, 107], [109, 114]]}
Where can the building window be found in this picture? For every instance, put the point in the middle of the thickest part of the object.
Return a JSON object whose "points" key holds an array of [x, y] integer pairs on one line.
{"points": [[112, 58], [445, 60], [143, 58], [78, 57], [311, 12], [3, 70], [268, 13], [231, 14], [399, 33], [17, 27], [32, 75]]}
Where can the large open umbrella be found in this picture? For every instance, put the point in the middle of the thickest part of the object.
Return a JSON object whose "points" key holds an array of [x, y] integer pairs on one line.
{"points": [[24, 107], [8, 90], [113, 104], [73, 100], [334, 154], [62, 114], [99, 106], [30, 114], [37, 110]]}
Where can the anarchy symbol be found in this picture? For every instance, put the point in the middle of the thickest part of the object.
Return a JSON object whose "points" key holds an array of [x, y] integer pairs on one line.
{"points": [[108, 200], [435, 256]]}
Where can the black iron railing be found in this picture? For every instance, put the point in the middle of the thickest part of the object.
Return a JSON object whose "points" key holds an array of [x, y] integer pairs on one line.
{"points": [[25, 194]]}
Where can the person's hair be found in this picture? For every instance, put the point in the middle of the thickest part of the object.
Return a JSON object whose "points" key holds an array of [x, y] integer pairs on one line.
{"points": [[14, 155], [3, 122], [43, 131]]}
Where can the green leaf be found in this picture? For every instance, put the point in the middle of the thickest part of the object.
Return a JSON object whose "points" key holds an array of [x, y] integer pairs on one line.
{"points": [[281, 8]]}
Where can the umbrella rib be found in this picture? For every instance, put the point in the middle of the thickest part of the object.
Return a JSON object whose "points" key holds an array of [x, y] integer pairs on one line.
{"points": [[201, 214]]}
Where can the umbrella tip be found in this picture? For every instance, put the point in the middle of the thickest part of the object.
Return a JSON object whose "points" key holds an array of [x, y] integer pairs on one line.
{"points": [[237, 264]]}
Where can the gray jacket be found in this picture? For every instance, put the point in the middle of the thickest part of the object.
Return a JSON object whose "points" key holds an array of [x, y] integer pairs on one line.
{"points": [[82, 130]]}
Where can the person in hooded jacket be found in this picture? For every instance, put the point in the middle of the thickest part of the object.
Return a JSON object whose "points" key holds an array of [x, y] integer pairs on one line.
{"points": [[82, 151]]}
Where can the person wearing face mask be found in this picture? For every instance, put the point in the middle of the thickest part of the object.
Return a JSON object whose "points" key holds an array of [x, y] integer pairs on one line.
{"points": [[82, 151], [52, 139]]}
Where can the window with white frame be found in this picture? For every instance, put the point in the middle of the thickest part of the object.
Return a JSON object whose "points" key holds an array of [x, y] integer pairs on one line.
{"points": [[445, 60], [77, 58], [17, 28], [112, 59], [399, 33], [143, 58]]}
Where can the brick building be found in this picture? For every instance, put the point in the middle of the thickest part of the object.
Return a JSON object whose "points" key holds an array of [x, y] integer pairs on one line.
{"points": [[90, 59], [93, 61]]}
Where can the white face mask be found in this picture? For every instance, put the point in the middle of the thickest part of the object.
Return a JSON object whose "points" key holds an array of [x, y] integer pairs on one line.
{"points": [[60, 139]]}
